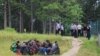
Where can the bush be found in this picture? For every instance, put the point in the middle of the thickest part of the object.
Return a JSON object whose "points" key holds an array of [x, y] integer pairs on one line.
{"points": [[9, 30]]}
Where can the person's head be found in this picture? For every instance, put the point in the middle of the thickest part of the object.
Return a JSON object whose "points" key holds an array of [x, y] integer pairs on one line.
{"points": [[30, 44], [22, 44], [37, 41], [43, 44], [26, 43], [61, 24], [47, 41], [55, 41], [18, 41]]}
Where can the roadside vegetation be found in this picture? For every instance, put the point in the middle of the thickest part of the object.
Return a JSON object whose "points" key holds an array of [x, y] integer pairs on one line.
{"points": [[7, 37], [89, 47]]}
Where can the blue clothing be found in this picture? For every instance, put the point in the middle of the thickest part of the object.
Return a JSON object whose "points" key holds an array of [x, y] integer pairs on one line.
{"points": [[43, 50]]}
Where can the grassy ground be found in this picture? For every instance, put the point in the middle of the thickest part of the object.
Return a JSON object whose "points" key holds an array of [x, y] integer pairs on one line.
{"points": [[89, 48], [7, 38]]}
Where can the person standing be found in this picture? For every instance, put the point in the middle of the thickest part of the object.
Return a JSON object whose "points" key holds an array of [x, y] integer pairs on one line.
{"points": [[71, 29], [85, 30], [62, 30], [79, 29], [58, 27], [88, 32], [75, 31]]}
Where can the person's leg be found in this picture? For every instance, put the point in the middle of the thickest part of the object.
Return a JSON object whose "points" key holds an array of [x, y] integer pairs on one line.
{"points": [[88, 35], [76, 34], [71, 32], [56, 32], [59, 31], [85, 33], [41, 52], [45, 50], [57, 51], [18, 53], [79, 32]]}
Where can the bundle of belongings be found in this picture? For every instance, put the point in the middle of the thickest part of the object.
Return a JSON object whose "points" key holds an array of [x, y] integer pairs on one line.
{"points": [[33, 47]]}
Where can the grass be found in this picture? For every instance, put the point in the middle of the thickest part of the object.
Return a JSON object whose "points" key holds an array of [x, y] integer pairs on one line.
{"points": [[89, 48], [7, 38]]}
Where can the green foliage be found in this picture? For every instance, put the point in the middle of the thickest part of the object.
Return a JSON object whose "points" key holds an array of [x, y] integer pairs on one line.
{"points": [[89, 48], [66, 11], [52, 6], [9, 30], [74, 10], [70, 8]]}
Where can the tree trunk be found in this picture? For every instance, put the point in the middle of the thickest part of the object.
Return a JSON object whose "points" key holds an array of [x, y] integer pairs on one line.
{"points": [[9, 11], [54, 27], [5, 14], [20, 21], [50, 26], [44, 27], [31, 17]]}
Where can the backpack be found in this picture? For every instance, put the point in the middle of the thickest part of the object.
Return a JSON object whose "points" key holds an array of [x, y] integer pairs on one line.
{"points": [[13, 47]]}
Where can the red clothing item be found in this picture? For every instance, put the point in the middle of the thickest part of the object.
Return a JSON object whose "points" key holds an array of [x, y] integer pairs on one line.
{"points": [[18, 53]]}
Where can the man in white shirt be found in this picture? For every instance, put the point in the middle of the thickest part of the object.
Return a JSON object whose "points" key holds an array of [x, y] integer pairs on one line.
{"points": [[75, 30], [71, 29], [58, 25], [79, 26]]}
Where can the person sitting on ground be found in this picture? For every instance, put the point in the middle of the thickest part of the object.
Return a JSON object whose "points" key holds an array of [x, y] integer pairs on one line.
{"points": [[43, 49], [24, 48], [55, 48], [15, 47], [48, 43], [48, 46], [35, 46], [32, 47], [18, 51]]}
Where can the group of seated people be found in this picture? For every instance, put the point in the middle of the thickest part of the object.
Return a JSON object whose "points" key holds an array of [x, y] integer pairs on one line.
{"points": [[33, 47]]}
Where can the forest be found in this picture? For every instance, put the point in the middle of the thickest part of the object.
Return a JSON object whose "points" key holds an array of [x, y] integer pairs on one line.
{"points": [[40, 16]]}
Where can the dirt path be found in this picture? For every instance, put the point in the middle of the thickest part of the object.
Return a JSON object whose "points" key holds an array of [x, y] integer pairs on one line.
{"points": [[76, 44]]}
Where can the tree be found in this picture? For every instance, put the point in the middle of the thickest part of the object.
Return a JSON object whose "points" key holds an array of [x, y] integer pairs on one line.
{"points": [[31, 16], [19, 14], [9, 11], [5, 14], [88, 7]]}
